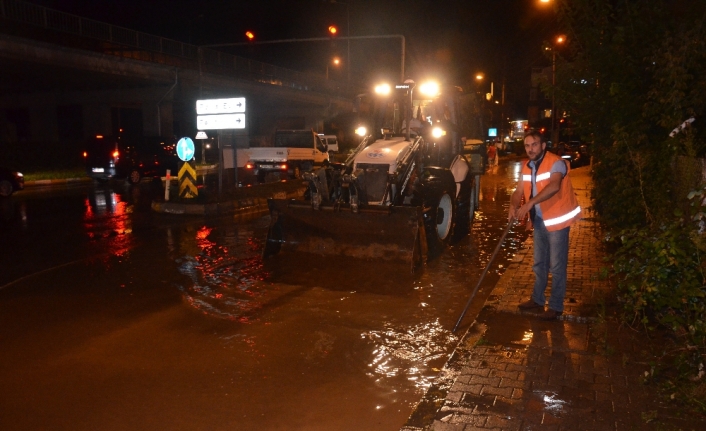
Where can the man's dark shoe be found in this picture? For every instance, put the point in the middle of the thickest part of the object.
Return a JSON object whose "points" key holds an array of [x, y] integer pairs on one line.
{"points": [[550, 314], [529, 304]]}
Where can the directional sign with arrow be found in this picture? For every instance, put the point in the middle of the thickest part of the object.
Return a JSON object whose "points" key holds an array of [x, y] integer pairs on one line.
{"points": [[223, 121], [220, 106]]}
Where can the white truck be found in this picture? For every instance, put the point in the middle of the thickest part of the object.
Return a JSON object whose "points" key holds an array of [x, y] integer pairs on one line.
{"points": [[331, 142], [293, 152]]}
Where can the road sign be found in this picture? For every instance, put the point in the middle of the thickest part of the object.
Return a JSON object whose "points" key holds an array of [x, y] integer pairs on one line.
{"points": [[187, 180], [185, 149], [219, 122], [201, 135], [220, 106]]}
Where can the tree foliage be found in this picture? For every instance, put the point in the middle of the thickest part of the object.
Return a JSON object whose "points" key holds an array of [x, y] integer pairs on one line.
{"points": [[633, 71], [631, 75]]}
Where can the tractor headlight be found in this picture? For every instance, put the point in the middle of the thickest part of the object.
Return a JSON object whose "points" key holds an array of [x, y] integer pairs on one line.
{"points": [[382, 89], [438, 132], [429, 89]]}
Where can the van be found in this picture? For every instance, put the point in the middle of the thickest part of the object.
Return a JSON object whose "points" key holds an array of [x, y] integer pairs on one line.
{"points": [[101, 155], [331, 142]]}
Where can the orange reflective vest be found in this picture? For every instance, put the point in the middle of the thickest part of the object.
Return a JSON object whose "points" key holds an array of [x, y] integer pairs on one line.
{"points": [[560, 210]]}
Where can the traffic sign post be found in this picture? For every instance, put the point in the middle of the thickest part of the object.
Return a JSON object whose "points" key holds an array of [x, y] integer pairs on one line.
{"points": [[202, 136], [222, 114], [187, 180], [187, 170]]}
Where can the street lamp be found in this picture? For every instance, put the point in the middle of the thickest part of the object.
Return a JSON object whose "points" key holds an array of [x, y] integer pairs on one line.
{"points": [[336, 61], [348, 35]]}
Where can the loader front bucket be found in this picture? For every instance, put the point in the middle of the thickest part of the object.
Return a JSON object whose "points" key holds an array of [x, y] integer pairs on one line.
{"points": [[393, 234]]}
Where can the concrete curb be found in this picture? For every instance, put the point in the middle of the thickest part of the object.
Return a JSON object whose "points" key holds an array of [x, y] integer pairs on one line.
{"points": [[240, 207], [200, 170], [57, 181]]}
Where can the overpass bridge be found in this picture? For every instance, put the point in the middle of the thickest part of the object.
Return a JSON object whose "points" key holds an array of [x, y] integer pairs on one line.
{"points": [[64, 78]]}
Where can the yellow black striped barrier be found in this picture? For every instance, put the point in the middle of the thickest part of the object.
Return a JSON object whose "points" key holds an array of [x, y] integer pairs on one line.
{"points": [[187, 180]]}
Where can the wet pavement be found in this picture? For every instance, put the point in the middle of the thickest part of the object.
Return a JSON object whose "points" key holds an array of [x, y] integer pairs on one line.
{"points": [[119, 317], [513, 371], [116, 317]]}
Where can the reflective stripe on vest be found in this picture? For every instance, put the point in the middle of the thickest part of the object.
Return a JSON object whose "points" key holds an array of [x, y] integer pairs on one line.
{"points": [[540, 177], [563, 218], [560, 210]]}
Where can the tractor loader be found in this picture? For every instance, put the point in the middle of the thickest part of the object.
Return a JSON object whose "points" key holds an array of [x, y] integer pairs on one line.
{"points": [[404, 193]]}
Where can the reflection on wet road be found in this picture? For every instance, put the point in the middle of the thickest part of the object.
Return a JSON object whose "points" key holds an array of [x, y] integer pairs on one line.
{"points": [[183, 325], [402, 322]]}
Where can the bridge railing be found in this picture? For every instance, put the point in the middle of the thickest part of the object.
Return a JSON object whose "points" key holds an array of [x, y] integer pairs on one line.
{"points": [[209, 61]]}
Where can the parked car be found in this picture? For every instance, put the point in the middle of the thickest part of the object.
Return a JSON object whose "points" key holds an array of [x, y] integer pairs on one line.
{"points": [[133, 159], [149, 157], [10, 181], [577, 154]]}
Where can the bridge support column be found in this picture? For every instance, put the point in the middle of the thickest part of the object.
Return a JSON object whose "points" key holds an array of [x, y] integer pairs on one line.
{"points": [[158, 120]]}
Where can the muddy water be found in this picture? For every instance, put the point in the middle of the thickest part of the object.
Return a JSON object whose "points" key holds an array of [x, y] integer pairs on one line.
{"points": [[117, 319], [316, 343]]}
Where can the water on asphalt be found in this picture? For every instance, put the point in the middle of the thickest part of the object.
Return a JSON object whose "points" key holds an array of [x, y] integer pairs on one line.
{"points": [[186, 327]]}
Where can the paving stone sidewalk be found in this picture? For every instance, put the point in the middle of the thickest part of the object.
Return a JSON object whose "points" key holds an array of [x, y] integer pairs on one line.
{"points": [[512, 371]]}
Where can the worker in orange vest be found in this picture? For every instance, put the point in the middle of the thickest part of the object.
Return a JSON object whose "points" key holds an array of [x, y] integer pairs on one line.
{"points": [[550, 201]]}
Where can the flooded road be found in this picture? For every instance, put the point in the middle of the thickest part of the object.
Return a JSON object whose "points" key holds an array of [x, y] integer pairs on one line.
{"points": [[130, 320]]}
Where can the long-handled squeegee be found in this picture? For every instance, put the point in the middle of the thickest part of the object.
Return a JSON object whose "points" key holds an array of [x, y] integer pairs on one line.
{"points": [[482, 276]]}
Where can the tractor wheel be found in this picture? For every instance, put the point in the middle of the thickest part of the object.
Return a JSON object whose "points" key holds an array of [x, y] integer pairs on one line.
{"points": [[444, 217]]}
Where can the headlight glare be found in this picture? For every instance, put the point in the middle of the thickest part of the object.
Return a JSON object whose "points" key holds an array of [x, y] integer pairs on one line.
{"points": [[382, 89], [429, 89]]}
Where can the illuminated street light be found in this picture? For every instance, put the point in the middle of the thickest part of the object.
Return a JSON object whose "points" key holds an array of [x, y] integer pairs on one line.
{"points": [[335, 61], [250, 35], [333, 30]]}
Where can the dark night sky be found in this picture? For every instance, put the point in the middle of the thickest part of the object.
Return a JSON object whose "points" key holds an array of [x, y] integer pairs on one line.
{"points": [[451, 40]]}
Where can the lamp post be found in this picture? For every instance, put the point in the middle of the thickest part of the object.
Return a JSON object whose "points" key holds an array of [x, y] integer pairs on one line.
{"points": [[348, 35], [336, 61], [481, 102], [558, 41]]}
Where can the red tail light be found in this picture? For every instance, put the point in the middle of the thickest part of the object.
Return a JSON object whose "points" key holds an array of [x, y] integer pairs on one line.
{"points": [[115, 154], [85, 154]]}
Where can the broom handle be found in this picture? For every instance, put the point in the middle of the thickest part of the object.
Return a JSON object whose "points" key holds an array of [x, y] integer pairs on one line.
{"points": [[482, 276]]}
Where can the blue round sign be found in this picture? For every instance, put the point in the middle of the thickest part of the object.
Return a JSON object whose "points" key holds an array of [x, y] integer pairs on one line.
{"points": [[185, 149]]}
